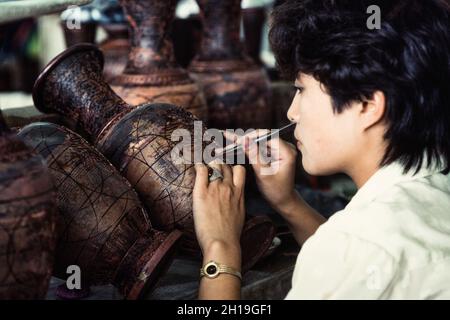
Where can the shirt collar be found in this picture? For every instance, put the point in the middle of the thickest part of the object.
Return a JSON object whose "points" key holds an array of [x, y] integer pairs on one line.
{"points": [[386, 177]]}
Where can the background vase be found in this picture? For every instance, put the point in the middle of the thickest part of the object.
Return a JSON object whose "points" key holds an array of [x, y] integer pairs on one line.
{"points": [[152, 73], [27, 220], [186, 35], [253, 22], [236, 89], [85, 34], [102, 225], [115, 49], [137, 141]]}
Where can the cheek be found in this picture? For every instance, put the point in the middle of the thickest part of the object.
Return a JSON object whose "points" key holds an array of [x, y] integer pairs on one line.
{"points": [[324, 145]]}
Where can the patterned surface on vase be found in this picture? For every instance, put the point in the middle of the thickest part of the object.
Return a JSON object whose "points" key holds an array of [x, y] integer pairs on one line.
{"points": [[137, 140], [27, 220], [101, 217], [152, 73], [236, 90]]}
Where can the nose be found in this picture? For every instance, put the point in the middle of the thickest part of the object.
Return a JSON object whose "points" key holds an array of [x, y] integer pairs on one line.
{"points": [[292, 113]]}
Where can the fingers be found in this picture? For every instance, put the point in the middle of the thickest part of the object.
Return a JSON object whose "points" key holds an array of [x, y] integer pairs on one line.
{"points": [[227, 174], [230, 136], [201, 177], [224, 169], [239, 176], [282, 150]]}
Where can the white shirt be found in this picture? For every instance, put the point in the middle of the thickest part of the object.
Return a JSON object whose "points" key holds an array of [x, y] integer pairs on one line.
{"points": [[392, 241]]}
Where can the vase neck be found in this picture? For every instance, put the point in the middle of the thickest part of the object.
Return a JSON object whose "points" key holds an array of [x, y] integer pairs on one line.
{"points": [[116, 31], [221, 30], [149, 25], [73, 85]]}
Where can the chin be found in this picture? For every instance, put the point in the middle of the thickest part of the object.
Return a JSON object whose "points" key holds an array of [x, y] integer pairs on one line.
{"points": [[314, 168]]}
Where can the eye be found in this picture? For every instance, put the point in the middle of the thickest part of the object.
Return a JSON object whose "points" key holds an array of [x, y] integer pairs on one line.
{"points": [[299, 89]]}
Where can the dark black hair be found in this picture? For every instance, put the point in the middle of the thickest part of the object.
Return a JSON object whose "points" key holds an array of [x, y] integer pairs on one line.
{"points": [[408, 59]]}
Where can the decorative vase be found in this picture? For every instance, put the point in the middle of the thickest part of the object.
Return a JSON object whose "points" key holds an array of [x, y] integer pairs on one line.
{"points": [[152, 73], [115, 49], [85, 34], [102, 225], [187, 36], [137, 140], [27, 220], [236, 89], [253, 22]]}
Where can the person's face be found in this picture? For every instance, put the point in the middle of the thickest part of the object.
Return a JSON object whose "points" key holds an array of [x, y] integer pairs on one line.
{"points": [[327, 140]]}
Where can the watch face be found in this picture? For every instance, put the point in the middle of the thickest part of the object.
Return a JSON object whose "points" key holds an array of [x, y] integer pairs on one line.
{"points": [[211, 269]]}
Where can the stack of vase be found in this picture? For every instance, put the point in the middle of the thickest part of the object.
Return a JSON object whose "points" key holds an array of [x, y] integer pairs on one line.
{"points": [[102, 227], [27, 220], [138, 142], [152, 73]]}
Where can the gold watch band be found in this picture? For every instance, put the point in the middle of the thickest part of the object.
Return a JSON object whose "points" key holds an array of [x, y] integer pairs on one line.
{"points": [[213, 269]]}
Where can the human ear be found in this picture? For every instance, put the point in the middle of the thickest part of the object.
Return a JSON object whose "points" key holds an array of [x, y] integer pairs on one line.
{"points": [[372, 110]]}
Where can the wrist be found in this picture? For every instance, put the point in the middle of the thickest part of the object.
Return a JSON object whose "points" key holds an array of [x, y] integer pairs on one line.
{"points": [[290, 205], [224, 253]]}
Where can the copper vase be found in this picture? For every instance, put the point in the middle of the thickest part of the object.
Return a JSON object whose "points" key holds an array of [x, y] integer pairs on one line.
{"points": [[85, 34], [152, 73], [236, 89], [137, 140], [115, 49], [253, 22], [27, 220], [102, 226]]}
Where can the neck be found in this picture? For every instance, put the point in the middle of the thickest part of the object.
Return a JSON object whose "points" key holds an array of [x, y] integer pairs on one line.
{"points": [[221, 30], [73, 86], [365, 165], [149, 24]]}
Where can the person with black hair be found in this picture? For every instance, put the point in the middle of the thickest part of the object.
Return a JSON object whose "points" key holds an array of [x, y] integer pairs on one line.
{"points": [[373, 103]]}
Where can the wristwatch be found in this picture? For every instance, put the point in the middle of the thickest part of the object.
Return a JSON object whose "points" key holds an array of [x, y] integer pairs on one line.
{"points": [[213, 269]]}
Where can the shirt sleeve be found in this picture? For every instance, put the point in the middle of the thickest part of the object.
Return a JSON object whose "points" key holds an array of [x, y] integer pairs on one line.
{"points": [[337, 265]]}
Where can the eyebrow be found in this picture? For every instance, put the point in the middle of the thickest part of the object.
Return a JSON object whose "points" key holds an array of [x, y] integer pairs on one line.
{"points": [[299, 81]]}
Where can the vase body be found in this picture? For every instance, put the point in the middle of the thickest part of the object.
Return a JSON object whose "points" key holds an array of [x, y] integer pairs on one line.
{"points": [[152, 73], [236, 89], [27, 220], [102, 227], [137, 140]]}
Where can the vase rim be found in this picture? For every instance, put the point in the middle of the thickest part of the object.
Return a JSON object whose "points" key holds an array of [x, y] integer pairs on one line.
{"points": [[37, 88], [151, 269]]}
